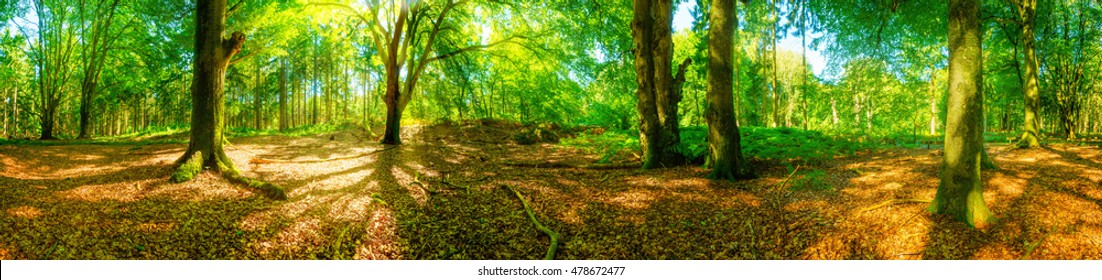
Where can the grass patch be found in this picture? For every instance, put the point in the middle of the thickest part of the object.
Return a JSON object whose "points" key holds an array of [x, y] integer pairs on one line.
{"points": [[607, 143]]}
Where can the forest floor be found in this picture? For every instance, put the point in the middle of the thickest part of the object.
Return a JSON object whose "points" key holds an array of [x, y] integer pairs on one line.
{"points": [[441, 195]]}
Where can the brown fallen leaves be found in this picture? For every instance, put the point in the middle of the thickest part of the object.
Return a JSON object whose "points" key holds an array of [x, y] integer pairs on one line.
{"points": [[440, 196]]}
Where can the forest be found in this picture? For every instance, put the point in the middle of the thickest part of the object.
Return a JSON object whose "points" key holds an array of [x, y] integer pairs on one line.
{"points": [[554, 129]]}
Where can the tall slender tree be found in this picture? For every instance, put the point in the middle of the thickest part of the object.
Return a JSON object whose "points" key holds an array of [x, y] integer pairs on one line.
{"points": [[960, 194], [53, 52], [724, 142], [1027, 14], [96, 41]]}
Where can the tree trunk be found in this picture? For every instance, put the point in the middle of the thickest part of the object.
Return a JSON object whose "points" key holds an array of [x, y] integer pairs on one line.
{"points": [[283, 96], [392, 132], [257, 91], [834, 111], [15, 112], [5, 106], [773, 36], [723, 134], [803, 54], [94, 50], [933, 101], [1027, 11], [657, 97], [960, 194]]}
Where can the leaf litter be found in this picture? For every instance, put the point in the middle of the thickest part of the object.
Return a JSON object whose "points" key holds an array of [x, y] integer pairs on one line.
{"points": [[442, 195]]}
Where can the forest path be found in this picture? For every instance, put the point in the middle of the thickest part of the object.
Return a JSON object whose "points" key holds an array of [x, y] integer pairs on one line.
{"points": [[440, 196]]}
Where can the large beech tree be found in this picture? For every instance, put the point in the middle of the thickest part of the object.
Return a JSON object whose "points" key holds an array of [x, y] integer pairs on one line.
{"points": [[658, 90], [960, 194], [212, 56], [724, 144]]}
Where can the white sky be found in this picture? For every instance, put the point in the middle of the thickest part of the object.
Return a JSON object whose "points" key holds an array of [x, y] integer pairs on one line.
{"points": [[683, 20]]}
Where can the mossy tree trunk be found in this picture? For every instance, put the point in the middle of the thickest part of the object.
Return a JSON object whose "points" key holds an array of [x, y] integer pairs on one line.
{"points": [[1027, 12], [658, 91], [724, 143], [960, 194], [212, 56]]}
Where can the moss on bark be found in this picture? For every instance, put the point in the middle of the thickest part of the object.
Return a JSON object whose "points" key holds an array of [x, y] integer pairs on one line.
{"points": [[188, 169]]}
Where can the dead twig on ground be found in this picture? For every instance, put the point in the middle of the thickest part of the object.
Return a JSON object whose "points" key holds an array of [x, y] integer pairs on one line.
{"points": [[550, 233], [789, 177], [1030, 247]]}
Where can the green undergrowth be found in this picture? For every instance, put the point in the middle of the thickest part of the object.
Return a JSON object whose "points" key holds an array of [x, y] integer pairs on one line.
{"points": [[606, 142], [306, 130], [811, 180], [785, 144], [178, 135]]}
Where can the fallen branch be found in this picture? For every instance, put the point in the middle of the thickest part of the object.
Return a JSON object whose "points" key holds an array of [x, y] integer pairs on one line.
{"points": [[789, 177], [259, 160], [1029, 250], [599, 166], [550, 233], [893, 201]]}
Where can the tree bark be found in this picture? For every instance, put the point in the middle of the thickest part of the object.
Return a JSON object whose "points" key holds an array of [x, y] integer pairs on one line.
{"points": [[658, 93], [723, 134], [960, 194], [1027, 11]]}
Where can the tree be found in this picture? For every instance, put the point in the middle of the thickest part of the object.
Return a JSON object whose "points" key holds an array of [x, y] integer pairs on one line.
{"points": [[960, 194], [658, 92], [408, 46], [283, 117], [1027, 13], [212, 56], [724, 142], [53, 52], [96, 41]]}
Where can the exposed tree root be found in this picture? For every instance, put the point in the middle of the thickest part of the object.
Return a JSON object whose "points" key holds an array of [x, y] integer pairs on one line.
{"points": [[193, 164], [189, 167], [554, 235], [598, 166], [259, 160], [893, 201]]}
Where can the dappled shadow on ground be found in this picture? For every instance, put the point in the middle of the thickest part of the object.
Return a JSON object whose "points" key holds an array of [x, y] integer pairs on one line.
{"points": [[442, 196]]}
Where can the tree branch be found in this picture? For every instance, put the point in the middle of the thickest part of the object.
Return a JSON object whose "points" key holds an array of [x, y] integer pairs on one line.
{"points": [[233, 45], [474, 48], [239, 59], [233, 9]]}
